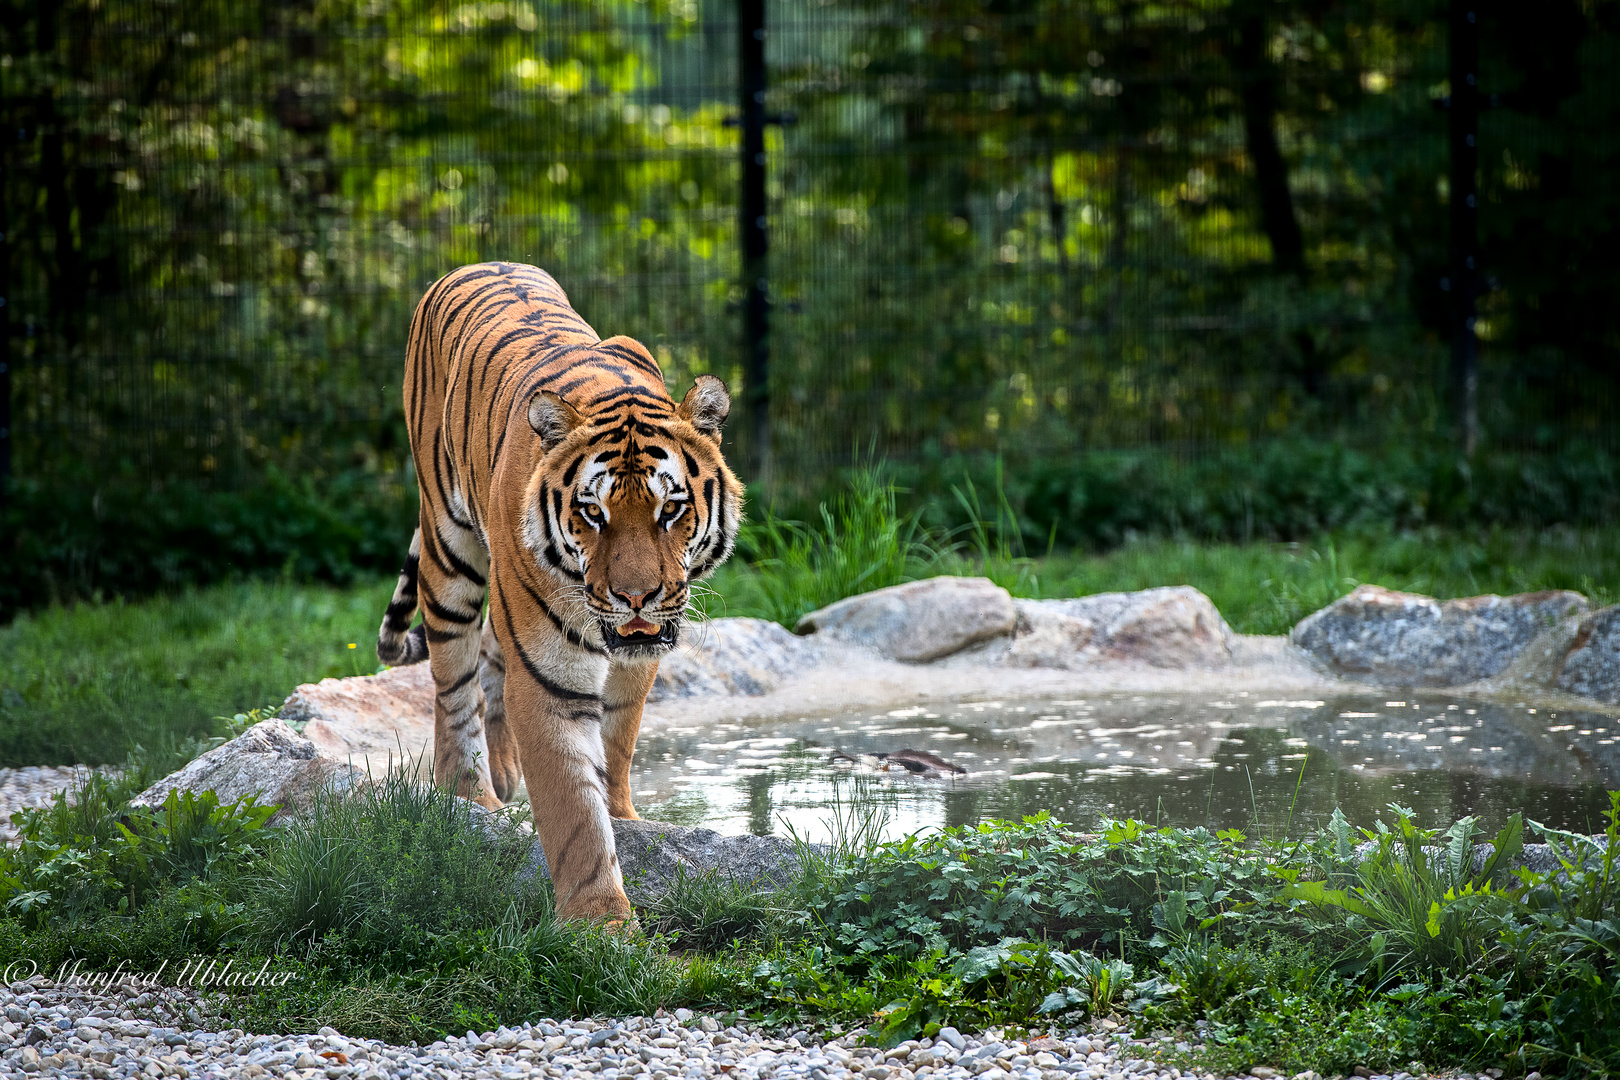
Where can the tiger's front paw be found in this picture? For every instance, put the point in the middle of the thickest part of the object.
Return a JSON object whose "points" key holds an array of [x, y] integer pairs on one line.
{"points": [[473, 789], [611, 909]]}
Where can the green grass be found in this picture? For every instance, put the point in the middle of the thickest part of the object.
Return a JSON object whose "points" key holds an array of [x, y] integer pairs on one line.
{"points": [[90, 682], [397, 915]]}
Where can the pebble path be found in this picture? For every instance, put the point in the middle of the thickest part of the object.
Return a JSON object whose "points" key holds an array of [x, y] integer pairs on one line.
{"points": [[127, 1031], [31, 787]]}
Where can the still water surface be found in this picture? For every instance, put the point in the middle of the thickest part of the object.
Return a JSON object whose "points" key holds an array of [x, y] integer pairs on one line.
{"points": [[1176, 760]]}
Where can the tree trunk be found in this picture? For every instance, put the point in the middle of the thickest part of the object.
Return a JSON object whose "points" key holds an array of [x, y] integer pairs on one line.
{"points": [[1258, 89], [1257, 85]]}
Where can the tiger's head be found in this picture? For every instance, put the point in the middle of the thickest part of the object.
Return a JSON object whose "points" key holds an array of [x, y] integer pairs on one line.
{"points": [[631, 503]]}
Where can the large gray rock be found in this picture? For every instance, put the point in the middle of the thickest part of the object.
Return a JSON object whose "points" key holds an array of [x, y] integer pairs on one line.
{"points": [[722, 657], [920, 620], [652, 853], [1406, 639], [1172, 627], [270, 761], [1592, 665], [368, 717]]}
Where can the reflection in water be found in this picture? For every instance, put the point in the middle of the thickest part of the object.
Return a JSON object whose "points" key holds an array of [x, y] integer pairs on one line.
{"points": [[1182, 761]]}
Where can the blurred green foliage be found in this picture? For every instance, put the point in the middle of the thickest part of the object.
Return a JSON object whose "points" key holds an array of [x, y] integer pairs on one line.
{"points": [[1178, 264]]}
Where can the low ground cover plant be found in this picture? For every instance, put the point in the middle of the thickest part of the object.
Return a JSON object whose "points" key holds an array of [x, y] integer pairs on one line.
{"points": [[403, 915]]}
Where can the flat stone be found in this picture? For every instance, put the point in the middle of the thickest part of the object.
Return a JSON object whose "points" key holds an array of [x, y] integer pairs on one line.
{"points": [[652, 853], [920, 620], [1406, 639], [1171, 627], [723, 657], [1592, 666], [270, 761]]}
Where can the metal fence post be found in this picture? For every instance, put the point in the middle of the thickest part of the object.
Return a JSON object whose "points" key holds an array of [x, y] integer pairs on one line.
{"points": [[1464, 223], [756, 302], [5, 312]]}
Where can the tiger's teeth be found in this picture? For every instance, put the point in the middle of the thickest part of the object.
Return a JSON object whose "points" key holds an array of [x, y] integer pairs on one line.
{"points": [[639, 625]]}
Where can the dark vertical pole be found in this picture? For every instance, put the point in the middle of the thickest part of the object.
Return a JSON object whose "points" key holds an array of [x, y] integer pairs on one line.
{"points": [[6, 143], [756, 302], [1464, 273]]}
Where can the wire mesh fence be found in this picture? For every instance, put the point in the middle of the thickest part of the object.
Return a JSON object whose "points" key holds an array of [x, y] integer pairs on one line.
{"points": [[1053, 225]]}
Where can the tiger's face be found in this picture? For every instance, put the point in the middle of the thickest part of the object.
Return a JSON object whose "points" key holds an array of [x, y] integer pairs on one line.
{"points": [[630, 506]]}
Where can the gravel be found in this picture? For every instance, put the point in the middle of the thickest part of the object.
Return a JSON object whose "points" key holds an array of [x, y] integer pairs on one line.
{"points": [[31, 787], [124, 1031]]}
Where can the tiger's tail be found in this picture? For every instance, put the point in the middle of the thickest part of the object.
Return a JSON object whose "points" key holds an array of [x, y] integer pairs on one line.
{"points": [[397, 643]]}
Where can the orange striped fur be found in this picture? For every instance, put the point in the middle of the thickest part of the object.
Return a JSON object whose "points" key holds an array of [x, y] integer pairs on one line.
{"points": [[561, 481]]}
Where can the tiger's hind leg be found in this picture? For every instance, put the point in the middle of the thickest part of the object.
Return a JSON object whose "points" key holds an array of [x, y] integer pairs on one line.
{"points": [[453, 570], [505, 768]]}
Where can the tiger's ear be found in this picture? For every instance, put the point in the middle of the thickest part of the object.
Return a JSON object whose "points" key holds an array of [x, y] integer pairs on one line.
{"points": [[706, 406], [552, 418]]}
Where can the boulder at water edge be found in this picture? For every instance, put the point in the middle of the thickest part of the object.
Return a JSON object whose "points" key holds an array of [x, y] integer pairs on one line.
{"points": [[270, 761], [369, 716], [1592, 666], [1406, 639], [721, 657], [1172, 627], [920, 620]]}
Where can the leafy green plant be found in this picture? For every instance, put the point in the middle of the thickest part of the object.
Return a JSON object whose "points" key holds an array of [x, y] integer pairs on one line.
{"points": [[1418, 894], [91, 851], [972, 886]]}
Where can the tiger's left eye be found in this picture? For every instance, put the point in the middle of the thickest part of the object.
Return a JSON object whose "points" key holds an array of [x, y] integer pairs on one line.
{"points": [[671, 511]]}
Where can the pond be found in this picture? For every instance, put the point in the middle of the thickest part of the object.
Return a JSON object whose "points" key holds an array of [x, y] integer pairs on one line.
{"points": [[1176, 760]]}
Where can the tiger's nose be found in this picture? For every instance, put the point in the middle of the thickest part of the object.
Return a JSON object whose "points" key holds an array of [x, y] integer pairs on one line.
{"points": [[634, 599]]}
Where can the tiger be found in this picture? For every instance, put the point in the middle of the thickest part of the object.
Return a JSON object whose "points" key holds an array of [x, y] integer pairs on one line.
{"points": [[562, 483]]}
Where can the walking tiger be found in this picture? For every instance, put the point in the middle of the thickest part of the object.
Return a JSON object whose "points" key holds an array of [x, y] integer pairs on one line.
{"points": [[560, 481]]}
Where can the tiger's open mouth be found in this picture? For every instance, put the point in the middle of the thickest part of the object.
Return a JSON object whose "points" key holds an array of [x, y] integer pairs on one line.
{"points": [[637, 631]]}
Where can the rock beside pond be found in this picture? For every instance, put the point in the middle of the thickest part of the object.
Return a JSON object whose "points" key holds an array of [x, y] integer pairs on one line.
{"points": [[391, 712], [270, 761], [1591, 668], [731, 656], [1171, 627], [1407, 639], [652, 853], [920, 620]]}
